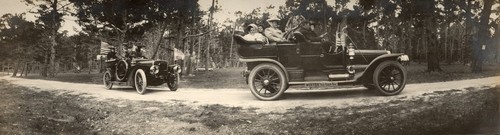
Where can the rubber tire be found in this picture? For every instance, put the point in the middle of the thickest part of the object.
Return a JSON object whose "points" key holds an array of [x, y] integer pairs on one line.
{"points": [[280, 74], [110, 85], [379, 69], [126, 70], [175, 85], [142, 74]]}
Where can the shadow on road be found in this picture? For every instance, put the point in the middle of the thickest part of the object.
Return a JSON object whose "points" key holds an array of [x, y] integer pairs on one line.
{"points": [[295, 94], [150, 90]]}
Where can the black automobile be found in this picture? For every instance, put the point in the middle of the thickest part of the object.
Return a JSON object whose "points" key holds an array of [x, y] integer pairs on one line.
{"points": [[140, 73], [272, 68]]}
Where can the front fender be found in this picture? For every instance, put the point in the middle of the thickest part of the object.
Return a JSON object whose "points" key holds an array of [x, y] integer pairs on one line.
{"points": [[380, 58], [375, 62], [269, 61]]}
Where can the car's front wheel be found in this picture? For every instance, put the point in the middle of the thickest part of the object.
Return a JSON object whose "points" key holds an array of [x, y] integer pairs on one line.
{"points": [[173, 82], [267, 81], [140, 81], [389, 78], [107, 80]]}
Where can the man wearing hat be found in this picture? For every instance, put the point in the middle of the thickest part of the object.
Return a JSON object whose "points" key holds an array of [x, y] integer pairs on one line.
{"points": [[111, 55], [307, 29], [253, 34], [273, 33]]}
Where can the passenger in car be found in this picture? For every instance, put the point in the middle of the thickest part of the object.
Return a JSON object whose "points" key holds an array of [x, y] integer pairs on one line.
{"points": [[253, 34], [273, 33], [260, 29], [134, 52]]}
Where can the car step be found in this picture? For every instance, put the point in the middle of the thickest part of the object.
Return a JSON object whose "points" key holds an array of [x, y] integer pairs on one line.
{"points": [[339, 76]]}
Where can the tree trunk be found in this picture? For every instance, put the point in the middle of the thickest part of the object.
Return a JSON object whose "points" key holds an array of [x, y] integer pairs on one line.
{"points": [[189, 59], [16, 68], [198, 57], [23, 68], [433, 55], [28, 69], [52, 58], [159, 40], [53, 42], [3, 67], [179, 38], [207, 61], [418, 50], [432, 47], [483, 37], [468, 24], [45, 67], [8, 68], [452, 51], [186, 55], [90, 66]]}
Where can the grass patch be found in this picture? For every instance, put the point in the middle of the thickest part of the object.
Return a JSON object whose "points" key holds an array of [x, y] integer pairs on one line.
{"points": [[92, 78], [218, 78], [417, 73], [24, 111]]}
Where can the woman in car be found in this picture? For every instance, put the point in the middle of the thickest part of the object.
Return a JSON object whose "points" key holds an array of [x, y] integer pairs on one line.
{"points": [[253, 34]]}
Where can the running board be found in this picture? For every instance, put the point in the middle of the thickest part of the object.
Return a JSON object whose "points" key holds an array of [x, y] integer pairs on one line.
{"points": [[321, 82], [119, 83]]}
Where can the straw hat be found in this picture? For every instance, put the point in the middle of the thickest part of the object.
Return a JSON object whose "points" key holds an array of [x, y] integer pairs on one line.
{"points": [[273, 19], [251, 26]]}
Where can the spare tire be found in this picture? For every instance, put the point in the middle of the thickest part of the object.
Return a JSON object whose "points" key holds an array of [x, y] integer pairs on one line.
{"points": [[121, 70]]}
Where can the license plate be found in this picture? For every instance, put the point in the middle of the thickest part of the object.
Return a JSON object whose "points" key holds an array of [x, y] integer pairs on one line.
{"points": [[320, 85]]}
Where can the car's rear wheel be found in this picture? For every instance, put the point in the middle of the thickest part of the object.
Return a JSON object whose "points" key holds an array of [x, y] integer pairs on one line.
{"points": [[107, 80], [389, 78], [140, 81], [267, 82], [173, 83]]}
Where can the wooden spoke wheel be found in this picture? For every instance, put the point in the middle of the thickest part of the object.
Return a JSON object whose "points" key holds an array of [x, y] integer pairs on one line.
{"points": [[140, 81], [267, 81], [107, 80], [389, 78]]}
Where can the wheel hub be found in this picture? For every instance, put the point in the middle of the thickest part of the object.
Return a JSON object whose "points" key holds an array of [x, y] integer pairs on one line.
{"points": [[266, 82]]}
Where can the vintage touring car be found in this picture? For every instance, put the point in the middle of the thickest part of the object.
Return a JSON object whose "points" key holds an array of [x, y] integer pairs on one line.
{"points": [[140, 73], [272, 68]]}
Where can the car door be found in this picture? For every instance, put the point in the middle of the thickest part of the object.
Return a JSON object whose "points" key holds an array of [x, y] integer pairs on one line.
{"points": [[288, 56], [311, 53]]}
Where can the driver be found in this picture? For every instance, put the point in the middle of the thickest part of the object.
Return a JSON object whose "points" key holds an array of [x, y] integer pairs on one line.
{"points": [[138, 51], [111, 56], [307, 29]]}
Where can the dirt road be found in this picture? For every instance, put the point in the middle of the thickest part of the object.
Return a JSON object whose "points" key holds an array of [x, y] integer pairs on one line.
{"points": [[293, 98]]}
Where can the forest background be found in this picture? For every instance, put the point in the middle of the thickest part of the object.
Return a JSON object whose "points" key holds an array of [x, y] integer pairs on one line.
{"points": [[436, 32]]}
